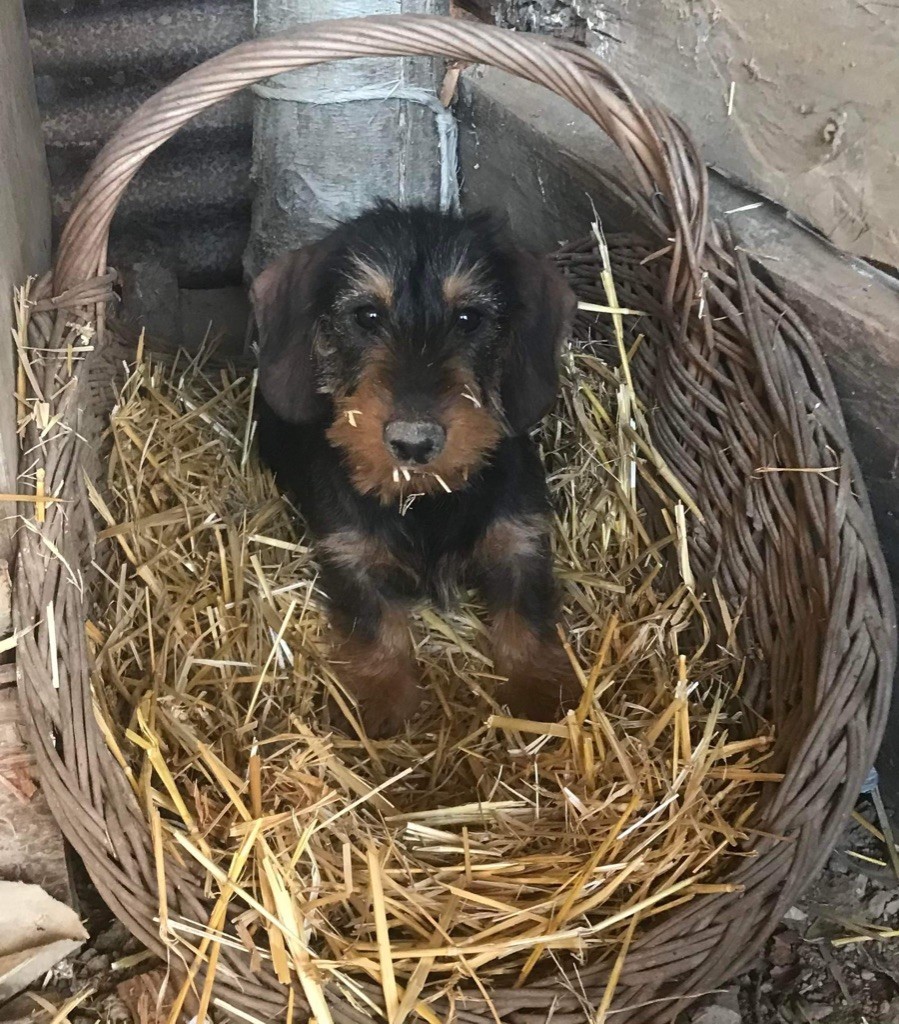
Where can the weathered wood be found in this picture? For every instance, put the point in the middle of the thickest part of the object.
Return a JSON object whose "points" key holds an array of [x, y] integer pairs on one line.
{"points": [[321, 153], [31, 846], [796, 100], [24, 220]]}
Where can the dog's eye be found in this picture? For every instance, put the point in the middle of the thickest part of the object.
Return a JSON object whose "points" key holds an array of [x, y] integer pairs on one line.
{"points": [[467, 320], [368, 317]]}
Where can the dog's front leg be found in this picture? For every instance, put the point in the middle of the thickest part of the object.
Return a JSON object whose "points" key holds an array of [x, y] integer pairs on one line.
{"points": [[373, 648], [514, 569]]}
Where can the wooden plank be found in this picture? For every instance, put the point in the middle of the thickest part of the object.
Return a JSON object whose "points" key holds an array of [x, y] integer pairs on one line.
{"points": [[24, 221], [31, 847], [794, 100]]}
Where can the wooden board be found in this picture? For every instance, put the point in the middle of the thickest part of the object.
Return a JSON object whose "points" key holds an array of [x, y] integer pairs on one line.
{"points": [[796, 100]]}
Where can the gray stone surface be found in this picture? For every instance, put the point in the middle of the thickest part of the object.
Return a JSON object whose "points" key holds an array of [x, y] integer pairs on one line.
{"points": [[720, 1008], [219, 313], [174, 317], [151, 301], [717, 1015]]}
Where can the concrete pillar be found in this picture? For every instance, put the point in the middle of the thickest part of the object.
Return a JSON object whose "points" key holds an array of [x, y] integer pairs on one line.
{"points": [[329, 140]]}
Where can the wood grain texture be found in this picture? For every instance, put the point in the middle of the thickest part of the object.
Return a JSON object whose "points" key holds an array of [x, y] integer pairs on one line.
{"points": [[24, 218], [795, 100], [315, 165]]}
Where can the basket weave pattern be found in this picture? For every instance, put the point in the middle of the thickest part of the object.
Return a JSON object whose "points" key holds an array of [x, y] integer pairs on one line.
{"points": [[741, 402]]}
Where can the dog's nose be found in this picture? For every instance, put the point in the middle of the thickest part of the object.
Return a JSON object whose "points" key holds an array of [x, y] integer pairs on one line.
{"points": [[418, 441]]}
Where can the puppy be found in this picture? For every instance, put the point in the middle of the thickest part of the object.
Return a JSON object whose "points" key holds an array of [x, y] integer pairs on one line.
{"points": [[402, 361]]}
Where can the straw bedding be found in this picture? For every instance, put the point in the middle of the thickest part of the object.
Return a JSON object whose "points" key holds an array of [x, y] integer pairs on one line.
{"points": [[474, 845]]}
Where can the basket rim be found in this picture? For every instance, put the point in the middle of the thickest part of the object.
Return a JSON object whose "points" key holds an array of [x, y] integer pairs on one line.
{"points": [[664, 161]]}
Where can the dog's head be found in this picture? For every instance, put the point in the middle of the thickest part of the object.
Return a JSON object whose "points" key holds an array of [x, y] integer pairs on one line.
{"points": [[424, 337]]}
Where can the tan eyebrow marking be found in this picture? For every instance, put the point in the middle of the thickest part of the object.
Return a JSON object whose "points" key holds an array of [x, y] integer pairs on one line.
{"points": [[461, 283], [369, 278]]}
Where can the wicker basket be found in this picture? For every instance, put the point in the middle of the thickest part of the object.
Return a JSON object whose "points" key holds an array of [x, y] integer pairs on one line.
{"points": [[735, 383]]}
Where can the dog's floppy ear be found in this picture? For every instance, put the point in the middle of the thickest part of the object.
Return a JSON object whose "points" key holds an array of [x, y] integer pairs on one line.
{"points": [[282, 298], [544, 315]]}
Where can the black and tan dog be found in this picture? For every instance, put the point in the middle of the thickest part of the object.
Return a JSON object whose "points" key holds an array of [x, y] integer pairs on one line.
{"points": [[402, 361]]}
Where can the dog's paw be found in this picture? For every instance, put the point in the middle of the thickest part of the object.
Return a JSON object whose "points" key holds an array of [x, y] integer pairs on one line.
{"points": [[544, 690], [386, 712]]}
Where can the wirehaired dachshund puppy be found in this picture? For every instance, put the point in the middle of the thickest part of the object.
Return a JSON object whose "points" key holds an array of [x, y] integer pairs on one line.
{"points": [[402, 361]]}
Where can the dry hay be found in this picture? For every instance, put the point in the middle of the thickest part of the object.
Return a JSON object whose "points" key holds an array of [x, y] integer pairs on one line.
{"points": [[474, 846]]}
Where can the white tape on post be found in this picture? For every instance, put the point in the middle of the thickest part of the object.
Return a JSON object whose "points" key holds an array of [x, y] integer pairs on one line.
{"points": [[329, 140]]}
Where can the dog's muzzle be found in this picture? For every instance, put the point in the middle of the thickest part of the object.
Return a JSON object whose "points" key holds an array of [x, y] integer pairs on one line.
{"points": [[414, 442]]}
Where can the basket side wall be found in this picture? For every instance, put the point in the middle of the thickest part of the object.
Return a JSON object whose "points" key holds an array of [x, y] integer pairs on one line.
{"points": [[33, 851], [518, 142], [88, 779]]}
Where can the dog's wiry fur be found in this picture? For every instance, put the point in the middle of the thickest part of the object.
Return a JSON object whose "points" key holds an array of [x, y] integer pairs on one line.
{"points": [[472, 433], [402, 325]]}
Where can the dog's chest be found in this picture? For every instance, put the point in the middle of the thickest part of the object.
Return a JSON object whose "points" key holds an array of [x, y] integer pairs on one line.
{"points": [[437, 538]]}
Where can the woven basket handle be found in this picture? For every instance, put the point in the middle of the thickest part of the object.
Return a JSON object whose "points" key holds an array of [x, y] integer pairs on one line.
{"points": [[670, 179]]}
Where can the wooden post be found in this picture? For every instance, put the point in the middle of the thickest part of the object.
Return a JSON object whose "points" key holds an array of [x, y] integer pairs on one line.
{"points": [[31, 847], [329, 140]]}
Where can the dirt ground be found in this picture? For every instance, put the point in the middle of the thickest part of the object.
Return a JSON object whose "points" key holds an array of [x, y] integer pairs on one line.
{"points": [[832, 960], [824, 964]]}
